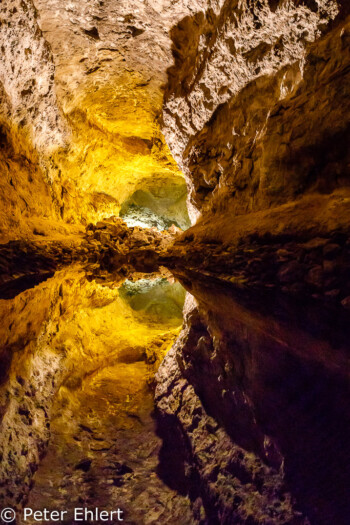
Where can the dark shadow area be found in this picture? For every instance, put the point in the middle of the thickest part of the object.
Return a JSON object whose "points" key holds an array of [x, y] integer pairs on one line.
{"points": [[10, 289], [292, 363]]}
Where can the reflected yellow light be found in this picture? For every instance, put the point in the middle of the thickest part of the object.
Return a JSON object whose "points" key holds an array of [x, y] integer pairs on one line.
{"points": [[85, 335]]}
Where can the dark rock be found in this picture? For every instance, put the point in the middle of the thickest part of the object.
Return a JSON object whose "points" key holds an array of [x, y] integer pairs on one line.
{"points": [[84, 465], [346, 302], [331, 250], [291, 272], [331, 266], [315, 276], [332, 294]]}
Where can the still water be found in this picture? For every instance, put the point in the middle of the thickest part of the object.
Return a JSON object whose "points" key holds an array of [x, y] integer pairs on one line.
{"points": [[78, 361], [79, 354]]}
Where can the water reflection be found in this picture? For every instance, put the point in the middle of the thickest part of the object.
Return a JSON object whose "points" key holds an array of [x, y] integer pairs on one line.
{"points": [[278, 372], [159, 300], [79, 355], [79, 352]]}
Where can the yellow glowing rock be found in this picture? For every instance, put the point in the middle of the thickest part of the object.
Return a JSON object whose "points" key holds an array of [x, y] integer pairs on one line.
{"points": [[116, 148], [84, 326]]}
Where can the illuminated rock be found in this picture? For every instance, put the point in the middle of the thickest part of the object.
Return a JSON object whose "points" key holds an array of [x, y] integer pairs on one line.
{"points": [[69, 344]]}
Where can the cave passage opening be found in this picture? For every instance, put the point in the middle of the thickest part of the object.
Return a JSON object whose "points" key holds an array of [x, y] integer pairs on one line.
{"points": [[159, 300], [158, 205]]}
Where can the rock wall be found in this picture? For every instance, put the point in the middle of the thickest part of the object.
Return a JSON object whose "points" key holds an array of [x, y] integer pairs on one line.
{"points": [[81, 89], [47, 333], [253, 401], [28, 99], [31, 371], [110, 66], [227, 480], [31, 124], [21, 182], [256, 113], [237, 96]]}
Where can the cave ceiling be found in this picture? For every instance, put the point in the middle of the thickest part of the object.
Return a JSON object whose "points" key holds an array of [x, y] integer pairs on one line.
{"points": [[84, 100]]}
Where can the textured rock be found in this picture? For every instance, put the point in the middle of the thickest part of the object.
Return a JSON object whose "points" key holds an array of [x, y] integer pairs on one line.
{"points": [[111, 61], [22, 180], [109, 245], [237, 95], [262, 261], [80, 104], [253, 399], [31, 124], [235, 484], [46, 334], [28, 99], [256, 112]]}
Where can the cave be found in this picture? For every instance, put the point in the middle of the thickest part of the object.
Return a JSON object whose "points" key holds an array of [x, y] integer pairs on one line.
{"points": [[158, 206], [175, 262]]}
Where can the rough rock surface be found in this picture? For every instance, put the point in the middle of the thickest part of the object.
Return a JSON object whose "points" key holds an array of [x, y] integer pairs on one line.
{"points": [[305, 267], [109, 244], [234, 484], [253, 402], [110, 66], [81, 88], [28, 98], [257, 114], [242, 82], [90, 412]]}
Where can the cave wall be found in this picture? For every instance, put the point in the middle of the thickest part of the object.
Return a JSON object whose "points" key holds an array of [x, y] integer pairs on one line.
{"points": [[28, 99], [21, 181], [253, 400], [233, 472], [244, 74], [242, 82], [110, 66], [81, 90], [65, 336], [256, 113], [31, 124]]}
